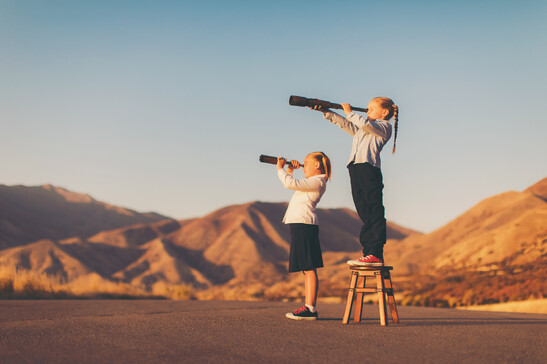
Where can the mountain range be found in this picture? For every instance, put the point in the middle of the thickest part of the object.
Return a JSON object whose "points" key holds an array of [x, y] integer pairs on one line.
{"points": [[509, 228], [28, 214], [242, 250]]}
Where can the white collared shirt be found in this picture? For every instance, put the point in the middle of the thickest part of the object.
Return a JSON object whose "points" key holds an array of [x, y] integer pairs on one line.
{"points": [[307, 194], [369, 136]]}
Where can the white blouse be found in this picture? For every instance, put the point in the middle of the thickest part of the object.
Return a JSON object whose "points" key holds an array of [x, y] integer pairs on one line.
{"points": [[369, 136], [307, 194]]}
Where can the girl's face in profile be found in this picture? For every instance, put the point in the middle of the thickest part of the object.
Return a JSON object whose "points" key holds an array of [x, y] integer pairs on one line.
{"points": [[375, 111], [311, 166]]}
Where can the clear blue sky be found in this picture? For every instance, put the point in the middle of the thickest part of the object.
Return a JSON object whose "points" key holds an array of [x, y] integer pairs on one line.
{"points": [[166, 105]]}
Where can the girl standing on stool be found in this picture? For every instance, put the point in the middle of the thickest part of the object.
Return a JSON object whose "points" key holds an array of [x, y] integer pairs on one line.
{"points": [[369, 137], [305, 254]]}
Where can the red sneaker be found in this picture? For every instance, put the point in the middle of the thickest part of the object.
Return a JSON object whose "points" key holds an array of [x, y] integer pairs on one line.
{"points": [[368, 261]]}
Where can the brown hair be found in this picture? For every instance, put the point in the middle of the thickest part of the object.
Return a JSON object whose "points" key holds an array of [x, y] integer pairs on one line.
{"points": [[324, 163], [388, 104]]}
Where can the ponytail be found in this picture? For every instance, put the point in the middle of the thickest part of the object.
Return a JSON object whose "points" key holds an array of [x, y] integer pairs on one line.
{"points": [[396, 125], [324, 163]]}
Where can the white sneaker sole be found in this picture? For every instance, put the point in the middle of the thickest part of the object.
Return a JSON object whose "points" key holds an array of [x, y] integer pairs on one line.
{"points": [[293, 317], [361, 264]]}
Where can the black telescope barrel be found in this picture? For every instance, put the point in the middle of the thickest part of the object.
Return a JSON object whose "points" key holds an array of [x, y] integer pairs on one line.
{"points": [[299, 101], [269, 159], [307, 102]]}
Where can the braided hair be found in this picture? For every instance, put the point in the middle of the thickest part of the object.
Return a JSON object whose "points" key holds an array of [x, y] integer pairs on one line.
{"points": [[388, 104]]}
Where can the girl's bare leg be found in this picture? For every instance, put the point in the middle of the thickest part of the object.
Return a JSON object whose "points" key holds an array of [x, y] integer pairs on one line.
{"points": [[311, 286]]}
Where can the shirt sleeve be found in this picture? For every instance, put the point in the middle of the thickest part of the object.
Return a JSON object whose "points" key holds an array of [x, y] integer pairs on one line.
{"points": [[370, 127], [346, 125], [304, 185]]}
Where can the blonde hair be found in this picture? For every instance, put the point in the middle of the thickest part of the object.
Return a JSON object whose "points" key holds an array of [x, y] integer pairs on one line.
{"points": [[387, 103], [324, 163]]}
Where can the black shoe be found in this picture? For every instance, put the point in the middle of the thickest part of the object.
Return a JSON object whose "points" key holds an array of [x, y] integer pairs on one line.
{"points": [[302, 313]]}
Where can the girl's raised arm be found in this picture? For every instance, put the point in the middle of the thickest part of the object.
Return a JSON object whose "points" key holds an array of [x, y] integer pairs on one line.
{"points": [[346, 125], [304, 185], [367, 126]]}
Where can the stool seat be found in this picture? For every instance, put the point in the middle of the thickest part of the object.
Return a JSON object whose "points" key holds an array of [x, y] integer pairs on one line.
{"points": [[357, 289]]}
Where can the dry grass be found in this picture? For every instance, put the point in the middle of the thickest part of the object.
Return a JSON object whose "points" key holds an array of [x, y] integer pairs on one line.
{"points": [[512, 291], [17, 283], [22, 284], [178, 292]]}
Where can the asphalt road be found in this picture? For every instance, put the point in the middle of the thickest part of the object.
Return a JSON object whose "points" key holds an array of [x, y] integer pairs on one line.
{"points": [[154, 331]]}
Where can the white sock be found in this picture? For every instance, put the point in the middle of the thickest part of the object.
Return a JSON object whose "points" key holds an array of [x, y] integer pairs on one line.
{"points": [[312, 308]]}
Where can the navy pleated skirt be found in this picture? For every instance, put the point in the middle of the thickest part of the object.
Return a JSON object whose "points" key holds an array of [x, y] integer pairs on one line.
{"points": [[305, 251]]}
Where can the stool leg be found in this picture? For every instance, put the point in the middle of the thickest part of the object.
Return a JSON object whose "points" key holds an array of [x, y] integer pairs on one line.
{"points": [[391, 298], [359, 299], [381, 300], [351, 293]]}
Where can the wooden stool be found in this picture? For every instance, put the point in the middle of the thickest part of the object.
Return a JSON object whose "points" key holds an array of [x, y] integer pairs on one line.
{"points": [[384, 288]]}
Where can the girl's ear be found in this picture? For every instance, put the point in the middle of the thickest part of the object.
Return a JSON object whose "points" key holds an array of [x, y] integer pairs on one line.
{"points": [[385, 112], [317, 164]]}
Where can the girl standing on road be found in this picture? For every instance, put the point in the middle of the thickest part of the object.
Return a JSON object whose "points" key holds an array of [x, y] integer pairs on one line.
{"points": [[305, 252], [369, 137]]}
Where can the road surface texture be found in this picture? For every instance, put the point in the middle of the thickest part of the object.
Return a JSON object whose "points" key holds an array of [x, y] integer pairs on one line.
{"points": [[157, 331]]}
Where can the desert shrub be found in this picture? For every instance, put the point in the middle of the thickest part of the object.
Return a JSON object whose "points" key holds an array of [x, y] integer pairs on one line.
{"points": [[174, 292], [504, 283]]}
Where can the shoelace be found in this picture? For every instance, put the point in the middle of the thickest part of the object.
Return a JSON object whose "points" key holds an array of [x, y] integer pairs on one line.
{"points": [[300, 310]]}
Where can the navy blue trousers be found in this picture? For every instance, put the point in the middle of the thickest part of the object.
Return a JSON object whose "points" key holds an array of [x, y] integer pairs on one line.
{"points": [[366, 188]]}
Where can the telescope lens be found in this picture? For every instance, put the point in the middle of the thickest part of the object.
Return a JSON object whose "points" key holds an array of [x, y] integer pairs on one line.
{"points": [[298, 101]]}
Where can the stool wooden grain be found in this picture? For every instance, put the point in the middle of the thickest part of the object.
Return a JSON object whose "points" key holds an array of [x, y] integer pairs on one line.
{"points": [[384, 289]]}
